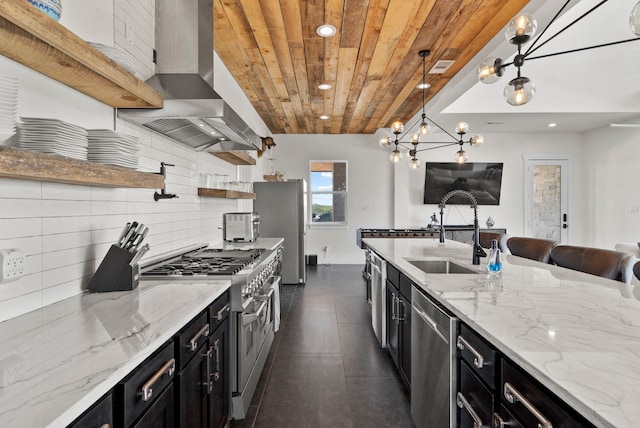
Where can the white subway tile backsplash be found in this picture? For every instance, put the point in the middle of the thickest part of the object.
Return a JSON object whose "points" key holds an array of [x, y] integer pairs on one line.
{"points": [[20, 227], [20, 305], [61, 208], [63, 241], [65, 274], [25, 285], [19, 189], [55, 225], [29, 245], [57, 259], [60, 191], [20, 208]]}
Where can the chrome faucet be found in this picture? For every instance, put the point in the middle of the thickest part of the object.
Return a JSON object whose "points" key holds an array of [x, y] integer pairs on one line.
{"points": [[477, 249]]}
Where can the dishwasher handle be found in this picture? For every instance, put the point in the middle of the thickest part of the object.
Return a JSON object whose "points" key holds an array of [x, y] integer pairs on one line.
{"points": [[431, 323]]}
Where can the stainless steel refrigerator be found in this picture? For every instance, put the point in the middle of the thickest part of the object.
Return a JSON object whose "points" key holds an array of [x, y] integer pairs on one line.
{"points": [[283, 214]]}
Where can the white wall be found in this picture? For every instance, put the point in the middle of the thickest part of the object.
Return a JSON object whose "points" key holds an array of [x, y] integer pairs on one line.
{"points": [[611, 179], [369, 181]]}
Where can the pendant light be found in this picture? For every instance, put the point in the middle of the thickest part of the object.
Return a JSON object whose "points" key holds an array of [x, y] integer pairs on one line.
{"points": [[519, 31], [423, 128]]}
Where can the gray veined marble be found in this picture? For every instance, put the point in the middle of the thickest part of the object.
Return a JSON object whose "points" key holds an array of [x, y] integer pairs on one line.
{"points": [[578, 334], [56, 361]]}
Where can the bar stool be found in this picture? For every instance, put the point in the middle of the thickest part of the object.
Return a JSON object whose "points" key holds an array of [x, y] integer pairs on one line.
{"points": [[486, 238], [532, 248], [595, 261]]}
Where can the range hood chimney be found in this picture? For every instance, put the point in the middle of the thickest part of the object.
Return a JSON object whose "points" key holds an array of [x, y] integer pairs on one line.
{"points": [[193, 113]]}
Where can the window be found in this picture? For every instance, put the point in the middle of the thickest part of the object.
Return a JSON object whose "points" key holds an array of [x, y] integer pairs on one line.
{"points": [[328, 191]]}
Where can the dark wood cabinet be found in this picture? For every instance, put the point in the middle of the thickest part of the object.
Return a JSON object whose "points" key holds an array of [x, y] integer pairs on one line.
{"points": [[219, 396], [160, 414], [137, 394], [192, 388], [398, 312], [100, 415]]}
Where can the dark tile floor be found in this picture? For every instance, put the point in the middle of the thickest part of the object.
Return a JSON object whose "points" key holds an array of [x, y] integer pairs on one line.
{"points": [[325, 368]]}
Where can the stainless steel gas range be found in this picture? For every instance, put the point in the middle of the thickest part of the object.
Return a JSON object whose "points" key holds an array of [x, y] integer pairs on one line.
{"points": [[253, 273]]}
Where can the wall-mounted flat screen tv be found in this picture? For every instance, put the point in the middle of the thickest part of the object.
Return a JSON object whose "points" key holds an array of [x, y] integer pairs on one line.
{"points": [[482, 180]]}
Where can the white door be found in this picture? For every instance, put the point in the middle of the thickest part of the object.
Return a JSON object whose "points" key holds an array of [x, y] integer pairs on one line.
{"points": [[546, 202]]}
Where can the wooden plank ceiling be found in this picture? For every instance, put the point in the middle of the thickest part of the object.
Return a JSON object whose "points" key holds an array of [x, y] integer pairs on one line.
{"points": [[272, 49]]}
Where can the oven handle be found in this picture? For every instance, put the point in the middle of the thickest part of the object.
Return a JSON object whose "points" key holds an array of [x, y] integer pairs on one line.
{"points": [[253, 316], [267, 296]]}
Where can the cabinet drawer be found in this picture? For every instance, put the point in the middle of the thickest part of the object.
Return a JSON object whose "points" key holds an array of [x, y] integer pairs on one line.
{"points": [[474, 400], [393, 275], [140, 389], [218, 311], [524, 397], [405, 287], [191, 338], [479, 354], [100, 415]]}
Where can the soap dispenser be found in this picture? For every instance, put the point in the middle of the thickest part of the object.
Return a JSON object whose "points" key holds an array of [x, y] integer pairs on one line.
{"points": [[494, 265]]}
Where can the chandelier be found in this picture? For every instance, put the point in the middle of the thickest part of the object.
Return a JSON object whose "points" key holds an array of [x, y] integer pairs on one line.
{"points": [[519, 31], [398, 130]]}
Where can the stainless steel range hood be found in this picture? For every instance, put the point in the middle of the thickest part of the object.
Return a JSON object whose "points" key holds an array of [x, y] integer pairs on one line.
{"points": [[193, 113]]}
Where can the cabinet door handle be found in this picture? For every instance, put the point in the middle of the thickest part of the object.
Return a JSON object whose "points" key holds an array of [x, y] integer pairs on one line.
{"points": [[208, 382], [393, 306], [169, 369], [193, 343], [400, 317], [464, 404], [512, 395], [498, 421], [478, 359], [220, 314], [216, 374]]}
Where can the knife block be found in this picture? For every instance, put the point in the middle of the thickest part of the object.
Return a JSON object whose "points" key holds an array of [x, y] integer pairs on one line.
{"points": [[115, 273]]}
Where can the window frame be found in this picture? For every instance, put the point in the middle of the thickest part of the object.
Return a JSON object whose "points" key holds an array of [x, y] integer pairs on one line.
{"points": [[344, 193]]}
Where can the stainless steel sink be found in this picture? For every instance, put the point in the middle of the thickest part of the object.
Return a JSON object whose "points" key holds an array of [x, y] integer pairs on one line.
{"points": [[440, 266]]}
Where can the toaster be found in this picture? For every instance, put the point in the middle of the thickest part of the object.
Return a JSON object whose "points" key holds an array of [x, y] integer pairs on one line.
{"points": [[240, 227]]}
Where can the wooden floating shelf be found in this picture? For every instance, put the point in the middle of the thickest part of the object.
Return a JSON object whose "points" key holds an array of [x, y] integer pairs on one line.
{"points": [[223, 193], [27, 165], [235, 157], [31, 38]]}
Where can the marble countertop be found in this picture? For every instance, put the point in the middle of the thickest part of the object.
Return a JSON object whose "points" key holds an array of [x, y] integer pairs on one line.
{"points": [[57, 361], [578, 334]]}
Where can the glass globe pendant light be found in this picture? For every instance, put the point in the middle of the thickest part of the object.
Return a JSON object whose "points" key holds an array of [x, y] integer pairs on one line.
{"points": [[461, 156], [634, 19], [519, 91], [395, 155]]}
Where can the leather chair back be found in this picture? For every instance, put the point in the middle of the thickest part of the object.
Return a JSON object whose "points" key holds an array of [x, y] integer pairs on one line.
{"points": [[531, 248], [605, 263], [636, 270], [486, 238]]}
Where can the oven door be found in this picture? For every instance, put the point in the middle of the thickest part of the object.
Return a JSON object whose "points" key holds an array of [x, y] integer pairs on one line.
{"points": [[253, 328]]}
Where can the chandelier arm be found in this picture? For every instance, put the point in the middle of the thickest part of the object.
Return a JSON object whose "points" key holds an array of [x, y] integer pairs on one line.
{"points": [[584, 49], [437, 147], [441, 128], [530, 51], [407, 129], [547, 27]]}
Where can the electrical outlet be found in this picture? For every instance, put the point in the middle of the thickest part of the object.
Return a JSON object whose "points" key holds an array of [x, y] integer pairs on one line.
{"points": [[11, 264]]}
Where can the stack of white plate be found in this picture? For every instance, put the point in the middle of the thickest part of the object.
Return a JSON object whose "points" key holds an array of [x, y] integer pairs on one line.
{"points": [[120, 57], [112, 148], [53, 136], [8, 106]]}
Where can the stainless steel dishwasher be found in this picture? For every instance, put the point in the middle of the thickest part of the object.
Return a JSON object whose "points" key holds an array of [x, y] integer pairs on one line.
{"points": [[378, 298], [433, 365]]}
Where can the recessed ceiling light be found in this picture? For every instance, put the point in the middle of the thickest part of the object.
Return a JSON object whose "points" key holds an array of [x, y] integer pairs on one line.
{"points": [[326, 30], [324, 86], [324, 117], [423, 85], [551, 125]]}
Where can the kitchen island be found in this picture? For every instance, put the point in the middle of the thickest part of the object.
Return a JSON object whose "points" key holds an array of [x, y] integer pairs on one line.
{"points": [[577, 334]]}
